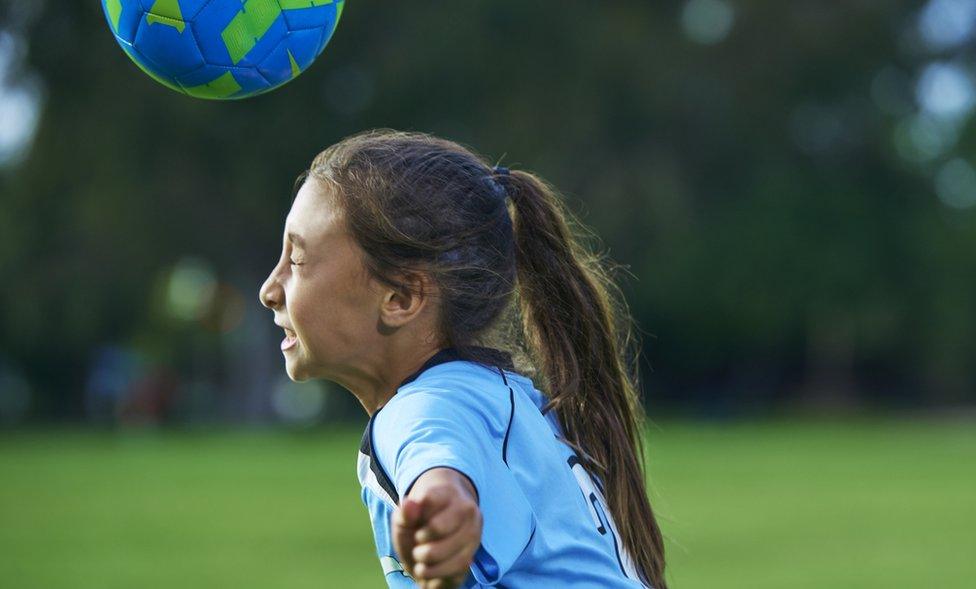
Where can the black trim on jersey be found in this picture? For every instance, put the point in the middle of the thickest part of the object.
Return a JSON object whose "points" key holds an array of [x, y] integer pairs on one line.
{"points": [[503, 360], [374, 465], [573, 461], [620, 561], [485, 356], [511, 418], [599, 485]]}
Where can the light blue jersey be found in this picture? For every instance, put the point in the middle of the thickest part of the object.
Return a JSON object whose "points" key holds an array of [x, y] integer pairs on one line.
{"points": [[546, 523]]}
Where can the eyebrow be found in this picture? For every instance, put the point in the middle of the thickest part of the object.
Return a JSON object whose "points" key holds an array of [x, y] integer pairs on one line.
{"points": [[296, 239]]}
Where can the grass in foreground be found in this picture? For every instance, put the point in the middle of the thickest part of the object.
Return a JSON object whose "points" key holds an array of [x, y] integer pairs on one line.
{"points": [[798, 505]]}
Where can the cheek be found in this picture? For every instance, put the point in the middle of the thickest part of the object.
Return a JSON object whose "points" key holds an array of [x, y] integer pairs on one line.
{"points": [[332, 315]]}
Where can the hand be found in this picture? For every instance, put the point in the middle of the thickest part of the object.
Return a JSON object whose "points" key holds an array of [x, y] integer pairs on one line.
{"points": [[437, 529]]}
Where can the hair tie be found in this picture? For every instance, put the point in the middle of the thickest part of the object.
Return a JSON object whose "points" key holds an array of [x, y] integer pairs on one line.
{"points": [[498, 180]]}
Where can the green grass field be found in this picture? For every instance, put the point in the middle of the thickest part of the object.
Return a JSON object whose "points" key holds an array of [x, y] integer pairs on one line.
{"points": [[801, 505]]}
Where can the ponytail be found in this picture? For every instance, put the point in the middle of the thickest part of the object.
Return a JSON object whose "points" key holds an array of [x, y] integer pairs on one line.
{"points": [[578, 333]]}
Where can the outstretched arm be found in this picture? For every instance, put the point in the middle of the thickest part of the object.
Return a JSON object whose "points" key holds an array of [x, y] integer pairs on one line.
{"points": [[437, 528]]}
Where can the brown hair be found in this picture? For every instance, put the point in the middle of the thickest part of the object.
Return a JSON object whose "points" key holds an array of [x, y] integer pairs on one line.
{"points": [[416, 203]]}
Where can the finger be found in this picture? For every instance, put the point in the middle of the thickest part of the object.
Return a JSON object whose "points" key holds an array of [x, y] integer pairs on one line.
{"points": [[455, 553], [443, 583], [404, 530], [412, 511], [453, 566], [447, 522], [435, 499], [433, 553]]}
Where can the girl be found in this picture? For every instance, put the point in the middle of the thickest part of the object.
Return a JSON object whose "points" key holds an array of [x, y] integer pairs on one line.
{"points": [[404, 256]]}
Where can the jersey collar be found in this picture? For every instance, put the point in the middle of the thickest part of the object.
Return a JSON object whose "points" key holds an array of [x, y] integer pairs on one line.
{"points": [[486, 356]]}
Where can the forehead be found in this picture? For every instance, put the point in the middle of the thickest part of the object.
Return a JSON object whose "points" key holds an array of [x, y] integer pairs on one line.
{"points": [[314, 214]]}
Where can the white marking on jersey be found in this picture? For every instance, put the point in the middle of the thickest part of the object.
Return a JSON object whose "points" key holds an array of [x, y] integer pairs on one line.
{"points": [[588, 487], [392, 565], [368, 480]]}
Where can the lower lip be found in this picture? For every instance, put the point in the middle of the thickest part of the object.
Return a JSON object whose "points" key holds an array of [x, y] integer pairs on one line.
{"points": [[288, 343]]}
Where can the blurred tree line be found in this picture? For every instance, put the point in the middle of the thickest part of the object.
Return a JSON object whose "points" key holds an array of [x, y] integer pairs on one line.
{"points": [[790, 185]]}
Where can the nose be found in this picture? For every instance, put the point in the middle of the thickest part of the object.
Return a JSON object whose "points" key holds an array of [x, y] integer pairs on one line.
{"points": [[272, 295]]}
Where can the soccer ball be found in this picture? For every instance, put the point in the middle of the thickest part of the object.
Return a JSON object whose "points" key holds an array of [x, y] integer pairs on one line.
{"points": [[222, 49]]}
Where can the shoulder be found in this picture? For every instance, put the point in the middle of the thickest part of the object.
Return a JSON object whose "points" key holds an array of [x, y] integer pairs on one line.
{"points": [[457, 411], [463, 392]]}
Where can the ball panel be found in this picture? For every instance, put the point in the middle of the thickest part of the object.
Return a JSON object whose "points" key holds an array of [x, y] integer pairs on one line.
{"points": [[183, 10], [123, 17], [175, 23], [249, 26], [301, 15], [224, 86], [113, 10], [264, 45], [295, 4], [191, 8], [290, 58], [219, 82], [138, 59], [232, 33], [168, 46], [209, 25], [164, 8]]}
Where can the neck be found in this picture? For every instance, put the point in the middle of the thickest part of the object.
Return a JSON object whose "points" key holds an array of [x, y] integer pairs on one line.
{"points": [[376, 380]]}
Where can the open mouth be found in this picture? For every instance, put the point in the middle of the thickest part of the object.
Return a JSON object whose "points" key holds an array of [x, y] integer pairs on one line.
{"points": [[290, 340]]}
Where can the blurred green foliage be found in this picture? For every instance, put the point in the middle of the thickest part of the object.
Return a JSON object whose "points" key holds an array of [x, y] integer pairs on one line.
{"points": [[783, 230], [802, 505]]}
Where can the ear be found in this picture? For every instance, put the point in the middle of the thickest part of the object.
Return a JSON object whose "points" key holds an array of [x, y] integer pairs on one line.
{"points": [[402, 305]]}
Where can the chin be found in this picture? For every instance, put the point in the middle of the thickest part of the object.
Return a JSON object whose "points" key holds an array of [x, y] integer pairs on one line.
{"points": [[296, 372]]}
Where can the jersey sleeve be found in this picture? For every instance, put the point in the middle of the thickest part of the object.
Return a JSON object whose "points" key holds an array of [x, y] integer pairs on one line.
{"points": [[425, 430]]}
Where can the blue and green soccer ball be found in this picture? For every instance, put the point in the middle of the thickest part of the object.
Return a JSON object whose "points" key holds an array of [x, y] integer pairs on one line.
{"points": [[223, 49]]}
